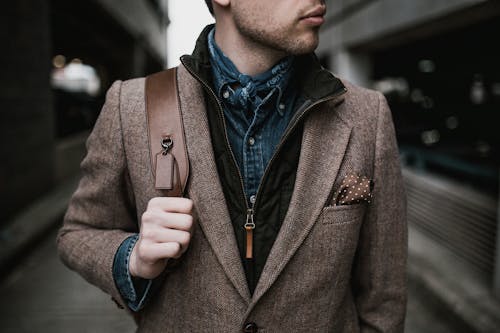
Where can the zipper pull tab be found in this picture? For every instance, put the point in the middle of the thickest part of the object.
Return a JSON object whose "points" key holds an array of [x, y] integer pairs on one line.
{"points": [[249, 226]]}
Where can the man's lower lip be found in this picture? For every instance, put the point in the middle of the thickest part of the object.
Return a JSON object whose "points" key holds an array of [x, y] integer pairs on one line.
{"points": [[313, 20]]}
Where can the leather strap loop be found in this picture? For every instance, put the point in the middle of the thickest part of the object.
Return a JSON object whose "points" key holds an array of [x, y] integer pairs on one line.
{"points": [[165, 121]]}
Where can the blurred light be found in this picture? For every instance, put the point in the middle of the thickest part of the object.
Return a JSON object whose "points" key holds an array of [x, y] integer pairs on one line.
{"points": [[430, 137], [452, 122], [76, 77], [59, 61], [495, 89], [391, 85], [483, 148], [427, 102], [417, 95], [76, 61], [182, 33], [426, 66], [478, 90]]}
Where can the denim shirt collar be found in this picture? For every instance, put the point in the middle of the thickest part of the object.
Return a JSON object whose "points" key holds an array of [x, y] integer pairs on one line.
{"points": [[244, 91]]}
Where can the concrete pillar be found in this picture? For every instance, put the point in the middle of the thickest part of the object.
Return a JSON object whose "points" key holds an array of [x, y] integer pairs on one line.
{"points": [[26, 117], [355, 67], [138, 59], [496, 277]]}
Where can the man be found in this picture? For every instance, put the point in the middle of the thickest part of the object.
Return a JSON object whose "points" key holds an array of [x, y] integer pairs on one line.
{"points": [[295, 220]]}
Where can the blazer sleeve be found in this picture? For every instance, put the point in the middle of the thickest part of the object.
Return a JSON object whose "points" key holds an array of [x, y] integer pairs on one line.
{"points": [[101, 213], [379, 279]]}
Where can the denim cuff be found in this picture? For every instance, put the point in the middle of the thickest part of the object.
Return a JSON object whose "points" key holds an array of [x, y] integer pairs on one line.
{"points": [[134, 290]]}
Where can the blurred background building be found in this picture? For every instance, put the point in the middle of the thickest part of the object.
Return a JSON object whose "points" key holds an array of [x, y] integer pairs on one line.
{"points": [[59, 57], [437, 63]]}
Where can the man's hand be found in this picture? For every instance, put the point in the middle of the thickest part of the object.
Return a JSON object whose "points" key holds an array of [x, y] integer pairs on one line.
{"points": [[165, 233]]}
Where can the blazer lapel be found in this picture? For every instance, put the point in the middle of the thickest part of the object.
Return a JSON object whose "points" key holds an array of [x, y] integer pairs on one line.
{"points": [[324, 143], [204, 187]]}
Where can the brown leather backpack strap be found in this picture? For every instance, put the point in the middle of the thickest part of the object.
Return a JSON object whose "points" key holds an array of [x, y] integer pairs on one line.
{"points": [[169, 159]]}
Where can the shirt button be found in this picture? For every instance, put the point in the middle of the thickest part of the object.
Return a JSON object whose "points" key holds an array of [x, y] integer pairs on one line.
{"points": [[250, 328], [252, 199], [225, 94], [282, 106], [251, 141]]}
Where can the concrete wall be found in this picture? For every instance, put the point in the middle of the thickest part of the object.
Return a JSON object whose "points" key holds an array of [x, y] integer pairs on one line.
{"points": [[26, 119], [139, 19], [31, 160], [353, 26], [496, 277], [354, 22]]}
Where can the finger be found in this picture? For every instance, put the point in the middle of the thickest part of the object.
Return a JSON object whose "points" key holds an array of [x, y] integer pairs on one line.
{"points": [[153, 252], [164, 235], [171, 204], [179, 221]]}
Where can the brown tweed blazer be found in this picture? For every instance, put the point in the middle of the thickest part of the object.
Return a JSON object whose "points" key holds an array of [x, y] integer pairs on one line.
{"points": [[332, 268]]}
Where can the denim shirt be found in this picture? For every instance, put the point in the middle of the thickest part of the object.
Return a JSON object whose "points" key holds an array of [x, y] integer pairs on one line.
{"points": [[257, 111], [134, 290]]}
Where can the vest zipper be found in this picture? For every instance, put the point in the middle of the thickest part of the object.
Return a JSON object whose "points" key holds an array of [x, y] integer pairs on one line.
{"points": [[221, 116], [291, 126], [249, 226], [250, 223]]}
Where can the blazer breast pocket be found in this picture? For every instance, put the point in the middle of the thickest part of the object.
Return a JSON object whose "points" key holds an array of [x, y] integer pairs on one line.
{"points": [[336, 234], [343, 214]]}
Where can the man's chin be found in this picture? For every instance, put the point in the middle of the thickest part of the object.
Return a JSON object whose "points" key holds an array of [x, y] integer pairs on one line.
{"points": [[304, 47]]}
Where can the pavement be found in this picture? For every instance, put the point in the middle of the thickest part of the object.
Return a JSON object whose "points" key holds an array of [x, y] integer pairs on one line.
{"points": [[33, 222], [449, 285], [42, 295]]}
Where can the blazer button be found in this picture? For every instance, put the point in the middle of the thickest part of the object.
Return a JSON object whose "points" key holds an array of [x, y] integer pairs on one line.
{"points": [[250, 328]]}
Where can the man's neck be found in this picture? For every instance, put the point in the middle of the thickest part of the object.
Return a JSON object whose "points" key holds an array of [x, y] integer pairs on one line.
{"points": [[249, 57]]}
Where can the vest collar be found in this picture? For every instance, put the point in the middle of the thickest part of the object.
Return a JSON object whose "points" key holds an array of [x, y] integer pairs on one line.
{"points": [[315, 82]]}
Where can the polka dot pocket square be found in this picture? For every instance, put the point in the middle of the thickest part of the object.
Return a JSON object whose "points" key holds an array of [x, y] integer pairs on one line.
{"points": [[354, 189]]}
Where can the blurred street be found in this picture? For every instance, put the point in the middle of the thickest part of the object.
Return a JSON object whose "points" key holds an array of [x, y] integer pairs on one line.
{"points": [[42, 295]]}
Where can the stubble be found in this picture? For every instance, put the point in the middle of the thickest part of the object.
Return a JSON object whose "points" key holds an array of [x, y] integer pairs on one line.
{"points": [[263, 32]]}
